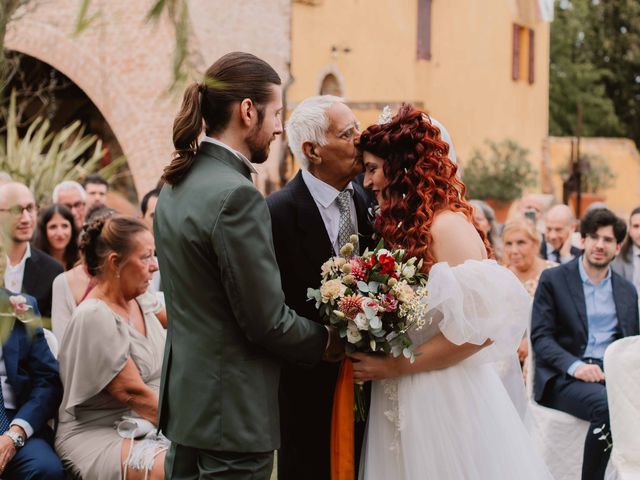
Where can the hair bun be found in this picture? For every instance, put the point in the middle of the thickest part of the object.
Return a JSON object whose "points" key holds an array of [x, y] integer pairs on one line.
{"points": [[88, 242]]}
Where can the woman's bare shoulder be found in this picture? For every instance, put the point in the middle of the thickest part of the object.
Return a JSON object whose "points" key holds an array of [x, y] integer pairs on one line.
{"points": [[455, 239]]}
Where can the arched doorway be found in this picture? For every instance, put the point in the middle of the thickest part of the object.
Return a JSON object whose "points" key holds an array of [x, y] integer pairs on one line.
{"points": [[42, 90], [331, 86]]}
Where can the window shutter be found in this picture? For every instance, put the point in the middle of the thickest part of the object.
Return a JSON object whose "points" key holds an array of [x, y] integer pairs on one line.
{"points": [[532, 38], [424, 29], [515, 53]]}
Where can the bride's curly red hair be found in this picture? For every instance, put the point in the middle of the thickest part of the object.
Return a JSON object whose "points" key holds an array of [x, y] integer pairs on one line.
{"points": [[422, 181]]}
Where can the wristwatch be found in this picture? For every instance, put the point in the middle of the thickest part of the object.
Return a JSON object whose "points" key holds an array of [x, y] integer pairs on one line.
{"points": [[16, 438]]}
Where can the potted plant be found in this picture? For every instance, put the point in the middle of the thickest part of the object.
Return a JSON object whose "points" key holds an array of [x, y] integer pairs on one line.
{"points": [[498, 175], [596, 177]]}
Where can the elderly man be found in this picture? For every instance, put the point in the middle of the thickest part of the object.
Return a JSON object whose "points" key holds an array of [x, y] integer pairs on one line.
{"points": [[312, 217], [559, 227], [72, 195], [28, 269]]}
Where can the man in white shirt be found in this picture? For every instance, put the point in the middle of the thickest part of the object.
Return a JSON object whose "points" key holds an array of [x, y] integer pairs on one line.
{"points": [[312, 217], [28, 269]]}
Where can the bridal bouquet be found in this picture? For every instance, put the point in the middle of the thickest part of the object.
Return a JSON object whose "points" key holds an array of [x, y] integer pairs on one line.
{"points": [[373, 299]]}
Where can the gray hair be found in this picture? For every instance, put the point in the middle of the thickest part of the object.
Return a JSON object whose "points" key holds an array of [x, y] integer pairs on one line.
{"points": [[309, 123], [68, 185]]}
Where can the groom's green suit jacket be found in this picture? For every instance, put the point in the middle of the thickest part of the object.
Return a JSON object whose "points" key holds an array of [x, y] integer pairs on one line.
{"points": [[228, 324]]}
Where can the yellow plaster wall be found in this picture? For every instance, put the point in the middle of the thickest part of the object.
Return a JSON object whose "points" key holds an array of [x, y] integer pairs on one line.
{"points": [[467, 83], [622, 157]]}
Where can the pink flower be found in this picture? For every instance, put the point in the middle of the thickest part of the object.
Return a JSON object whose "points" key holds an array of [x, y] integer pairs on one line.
{"points": [[19, 305], [388, 303]]}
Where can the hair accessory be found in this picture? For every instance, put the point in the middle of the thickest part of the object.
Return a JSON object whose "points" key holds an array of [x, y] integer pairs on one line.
{"points": [[385, 116]]}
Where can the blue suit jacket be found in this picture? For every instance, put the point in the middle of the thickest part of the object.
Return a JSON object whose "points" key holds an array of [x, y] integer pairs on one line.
{"points": [[559, 324], [32, 371]]}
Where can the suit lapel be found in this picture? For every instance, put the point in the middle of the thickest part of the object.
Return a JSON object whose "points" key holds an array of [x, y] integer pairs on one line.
{"points": [[316, 242], [31, 269], [10, 348], [574, 281]]}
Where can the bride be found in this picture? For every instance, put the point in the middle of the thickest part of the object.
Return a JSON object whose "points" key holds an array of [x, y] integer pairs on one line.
{"points": [[447, 416]]}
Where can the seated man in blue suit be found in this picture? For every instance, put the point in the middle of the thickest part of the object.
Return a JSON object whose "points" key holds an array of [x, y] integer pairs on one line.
{"points": [[30, 395], [579, 309]]}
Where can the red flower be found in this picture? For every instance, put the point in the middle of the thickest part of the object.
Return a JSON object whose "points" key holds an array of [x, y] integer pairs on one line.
{"points": [[387, 264]]}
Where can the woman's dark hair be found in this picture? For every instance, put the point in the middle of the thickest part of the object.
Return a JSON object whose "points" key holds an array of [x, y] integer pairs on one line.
{"points": [[422, 181], [233, 78], [107, 234], [628, 242], [41, 240], [602, 217]]}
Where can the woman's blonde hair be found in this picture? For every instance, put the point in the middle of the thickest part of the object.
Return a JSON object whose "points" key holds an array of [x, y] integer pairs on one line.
{"points": [[521, 224]]}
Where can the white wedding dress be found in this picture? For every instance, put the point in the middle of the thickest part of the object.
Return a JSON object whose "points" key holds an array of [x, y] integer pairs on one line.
{"points": [[458, 423]]}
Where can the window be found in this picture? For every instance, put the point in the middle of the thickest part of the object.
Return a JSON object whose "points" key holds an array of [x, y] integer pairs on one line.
{"points": [[424, 29], [523, 60], [330, 86]]}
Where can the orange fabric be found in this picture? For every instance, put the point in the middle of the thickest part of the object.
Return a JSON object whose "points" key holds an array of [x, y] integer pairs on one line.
{"points": [[342, 436]]}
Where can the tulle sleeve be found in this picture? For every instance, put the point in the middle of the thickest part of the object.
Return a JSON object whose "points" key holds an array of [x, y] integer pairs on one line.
{"points": [[479, 300]]}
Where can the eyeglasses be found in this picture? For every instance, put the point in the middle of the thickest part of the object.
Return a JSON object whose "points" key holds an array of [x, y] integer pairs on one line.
{"points": [[74, 206], [18, 210]]}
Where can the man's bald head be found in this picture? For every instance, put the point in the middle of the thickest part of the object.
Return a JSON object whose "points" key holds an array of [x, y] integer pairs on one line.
{"points": [[17, 211], [560, 223], [11, 192]]}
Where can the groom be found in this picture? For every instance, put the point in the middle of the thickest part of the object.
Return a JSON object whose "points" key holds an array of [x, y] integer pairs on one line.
{"points": [[228, 324], [307, 216]]}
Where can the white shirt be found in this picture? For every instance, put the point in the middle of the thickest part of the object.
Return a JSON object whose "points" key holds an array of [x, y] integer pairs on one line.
{"points": [[244, 159], [325, 197], [13, 275], [551, 256]]}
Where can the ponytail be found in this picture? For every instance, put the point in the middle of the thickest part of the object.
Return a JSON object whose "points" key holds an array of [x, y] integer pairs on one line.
{"points": [[187, 127]]}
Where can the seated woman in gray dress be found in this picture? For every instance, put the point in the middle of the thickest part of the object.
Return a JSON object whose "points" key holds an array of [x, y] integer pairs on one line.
{"points": [[111, 359]]}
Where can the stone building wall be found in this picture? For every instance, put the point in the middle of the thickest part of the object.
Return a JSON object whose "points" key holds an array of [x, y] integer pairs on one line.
{"points": [[123, 63]]}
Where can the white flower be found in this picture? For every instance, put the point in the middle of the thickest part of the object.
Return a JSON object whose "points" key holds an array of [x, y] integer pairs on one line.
{"points": [[408, 271], [332, 289], [370, 307], [403, 291], [326, 267], [382, 251], [361, 321], [353, 335], [339, 261]]}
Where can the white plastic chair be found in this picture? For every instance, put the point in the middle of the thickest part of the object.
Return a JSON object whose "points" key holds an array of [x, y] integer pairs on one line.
{"points": [[622, 370], [52, 341], [558, 436]]}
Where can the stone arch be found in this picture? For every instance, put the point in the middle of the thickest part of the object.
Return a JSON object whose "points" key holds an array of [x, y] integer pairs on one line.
{"points": [[128, 119]]}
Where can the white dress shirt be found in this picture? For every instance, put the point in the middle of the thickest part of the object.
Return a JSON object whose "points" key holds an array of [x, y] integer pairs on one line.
{"points": [[244, 159], [325, 197], [13, 275], [551, 255]]}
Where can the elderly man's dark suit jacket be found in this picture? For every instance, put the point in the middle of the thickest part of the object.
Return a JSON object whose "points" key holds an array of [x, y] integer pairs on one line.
{"points": [[559, 324], [306, 395], [39, 272]]}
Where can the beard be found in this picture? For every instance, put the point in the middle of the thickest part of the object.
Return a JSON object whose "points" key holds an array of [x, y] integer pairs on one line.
{"points": [[258, 143], [600, 264]]}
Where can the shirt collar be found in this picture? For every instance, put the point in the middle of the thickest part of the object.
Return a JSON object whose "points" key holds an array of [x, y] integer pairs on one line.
{"points": [[244, 159], [322, 192], [585, 278], [23, 260], [635, 250]]}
